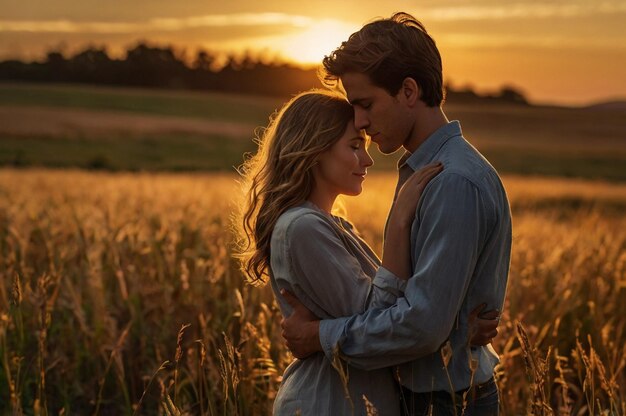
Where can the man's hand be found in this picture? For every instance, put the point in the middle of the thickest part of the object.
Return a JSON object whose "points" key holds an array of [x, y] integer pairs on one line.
{"points": [[483, 326], [300, 329]]}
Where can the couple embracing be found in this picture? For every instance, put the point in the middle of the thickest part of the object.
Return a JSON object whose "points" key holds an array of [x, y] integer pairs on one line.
{"points": [[412, 330]]}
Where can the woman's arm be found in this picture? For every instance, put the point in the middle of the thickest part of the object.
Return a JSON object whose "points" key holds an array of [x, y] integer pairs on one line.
{"points": [[397, 246]]}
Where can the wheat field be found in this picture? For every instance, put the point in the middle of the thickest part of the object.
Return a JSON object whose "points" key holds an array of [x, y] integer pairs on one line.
{"points": [[119, 295]]}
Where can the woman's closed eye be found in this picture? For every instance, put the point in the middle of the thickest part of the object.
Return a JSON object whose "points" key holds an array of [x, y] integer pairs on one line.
{"points": [[357, 143]]}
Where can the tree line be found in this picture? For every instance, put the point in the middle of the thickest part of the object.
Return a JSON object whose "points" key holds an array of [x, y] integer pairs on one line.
{"points": [[165, 67]]}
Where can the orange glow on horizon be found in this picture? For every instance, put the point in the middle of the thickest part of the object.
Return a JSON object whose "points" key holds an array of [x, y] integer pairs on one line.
{"points": [[570, 53], [304, 46], [309, 46]]}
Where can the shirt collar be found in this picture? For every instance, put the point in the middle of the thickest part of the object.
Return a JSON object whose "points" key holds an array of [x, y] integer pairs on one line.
{"points": [[426, 152]]}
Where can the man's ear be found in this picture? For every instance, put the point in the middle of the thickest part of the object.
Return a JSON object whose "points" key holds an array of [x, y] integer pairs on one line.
{"points": [[410, 91]]}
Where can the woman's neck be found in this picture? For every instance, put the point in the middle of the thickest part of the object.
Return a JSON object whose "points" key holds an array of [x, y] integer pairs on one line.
{"points": [[323, 200]]}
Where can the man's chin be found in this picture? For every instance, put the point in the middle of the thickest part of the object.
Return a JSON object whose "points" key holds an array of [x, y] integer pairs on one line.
{"points": [[387, 150]]}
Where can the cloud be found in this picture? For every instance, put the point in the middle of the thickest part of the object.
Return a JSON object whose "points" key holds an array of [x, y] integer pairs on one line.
{"points": [[226, 20], [458, 12], [66, 26], [521, 10], [157, 24]]}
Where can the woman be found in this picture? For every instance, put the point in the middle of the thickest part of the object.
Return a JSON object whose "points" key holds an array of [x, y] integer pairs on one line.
{"points": [[310, 154]]}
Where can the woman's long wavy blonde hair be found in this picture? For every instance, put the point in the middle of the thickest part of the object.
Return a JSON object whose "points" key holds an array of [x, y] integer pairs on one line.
{"points": [[279, 175]]}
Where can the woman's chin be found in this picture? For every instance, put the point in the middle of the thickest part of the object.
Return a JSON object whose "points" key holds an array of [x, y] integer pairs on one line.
{"points": [[354, 192]]}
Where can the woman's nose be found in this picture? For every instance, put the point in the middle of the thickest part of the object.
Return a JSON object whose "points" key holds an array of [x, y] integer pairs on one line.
{"points": [[367, 160]]}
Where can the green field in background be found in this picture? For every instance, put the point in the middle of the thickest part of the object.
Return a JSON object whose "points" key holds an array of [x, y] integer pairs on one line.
{"points": [[202, 105], [572, 142], [152, 153]]}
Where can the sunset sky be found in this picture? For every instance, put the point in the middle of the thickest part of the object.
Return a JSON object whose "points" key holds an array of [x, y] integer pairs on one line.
{"points": [[571, 52]]}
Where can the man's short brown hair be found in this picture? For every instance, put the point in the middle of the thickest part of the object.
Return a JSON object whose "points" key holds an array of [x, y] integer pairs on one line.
{"points": [[388, 51]]}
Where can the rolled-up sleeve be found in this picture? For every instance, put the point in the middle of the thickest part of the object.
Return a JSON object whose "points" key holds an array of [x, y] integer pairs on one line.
{"points": [[447, 234], [387, 288], [324, 275]]}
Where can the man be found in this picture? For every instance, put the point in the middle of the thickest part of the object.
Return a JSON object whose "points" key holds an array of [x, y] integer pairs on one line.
{"points": [[460, 239]]}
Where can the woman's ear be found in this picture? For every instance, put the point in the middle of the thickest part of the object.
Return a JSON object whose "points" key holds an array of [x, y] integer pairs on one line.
{"points": [[410, 91]]}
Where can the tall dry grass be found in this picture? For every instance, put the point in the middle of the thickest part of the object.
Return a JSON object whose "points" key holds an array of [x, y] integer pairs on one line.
{"points": [[118, 295]]}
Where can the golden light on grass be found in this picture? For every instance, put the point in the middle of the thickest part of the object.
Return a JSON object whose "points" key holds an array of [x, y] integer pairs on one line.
{"points": [[93, 299]]}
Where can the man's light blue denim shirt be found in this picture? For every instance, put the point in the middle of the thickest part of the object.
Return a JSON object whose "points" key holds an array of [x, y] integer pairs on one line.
{"points": [[461, 244]]}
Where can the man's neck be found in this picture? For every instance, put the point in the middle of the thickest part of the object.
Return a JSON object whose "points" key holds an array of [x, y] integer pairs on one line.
{"points": [[427, 121]]}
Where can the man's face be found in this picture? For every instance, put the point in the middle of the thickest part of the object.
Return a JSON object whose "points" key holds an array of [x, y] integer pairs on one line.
{"points": [[384, 117]]}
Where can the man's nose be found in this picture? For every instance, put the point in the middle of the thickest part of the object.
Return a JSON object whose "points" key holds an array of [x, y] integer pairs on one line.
{"points": [[361, 121]]}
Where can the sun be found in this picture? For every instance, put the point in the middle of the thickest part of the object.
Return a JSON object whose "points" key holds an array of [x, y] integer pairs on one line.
{"points": [[310, 45]]}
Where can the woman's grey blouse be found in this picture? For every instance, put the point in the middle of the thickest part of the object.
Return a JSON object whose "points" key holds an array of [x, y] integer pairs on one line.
{"points": [[333, 272]]}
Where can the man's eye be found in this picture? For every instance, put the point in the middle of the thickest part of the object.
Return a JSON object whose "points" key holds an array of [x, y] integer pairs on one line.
{"points": [[366, 106]]}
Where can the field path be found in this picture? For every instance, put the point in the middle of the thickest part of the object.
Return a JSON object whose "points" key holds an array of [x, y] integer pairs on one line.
{"points": [[72, 122]]}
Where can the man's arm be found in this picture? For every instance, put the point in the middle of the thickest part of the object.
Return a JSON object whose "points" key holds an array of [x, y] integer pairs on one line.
{"points": [[447, 244], [302, 328]]}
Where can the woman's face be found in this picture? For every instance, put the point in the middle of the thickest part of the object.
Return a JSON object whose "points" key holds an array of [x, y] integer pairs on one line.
{"points": [[342, 168]]}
